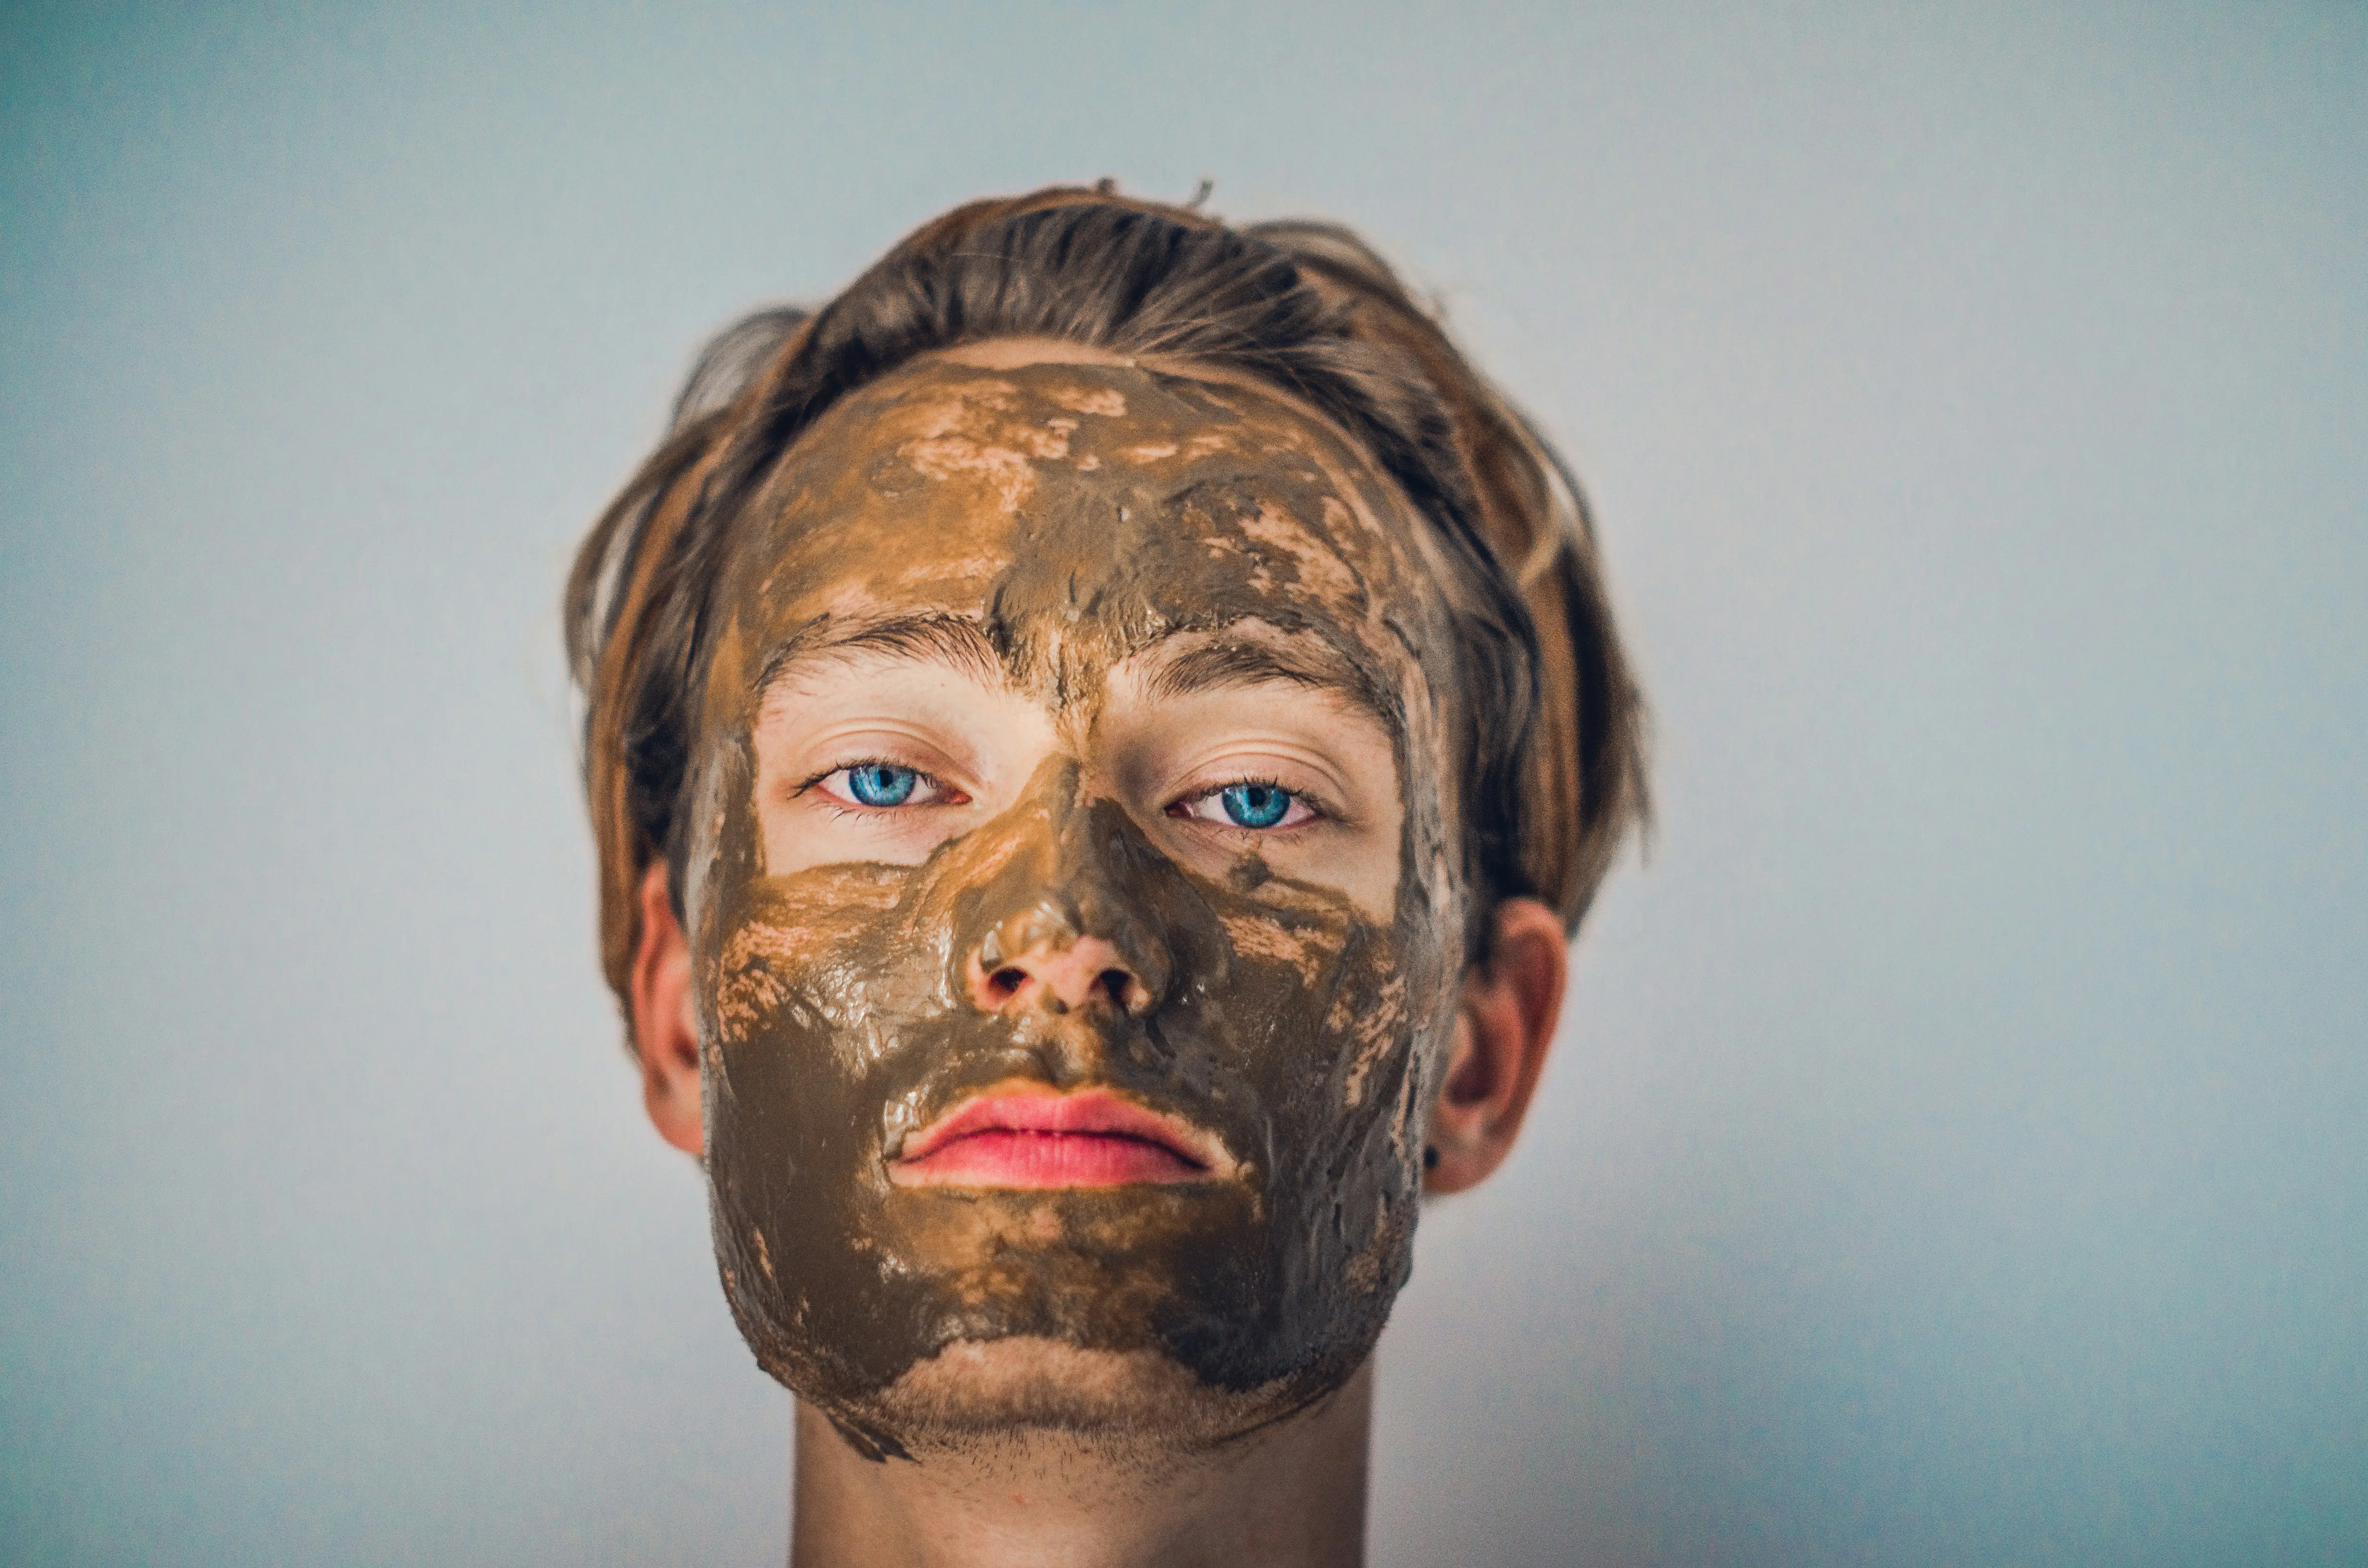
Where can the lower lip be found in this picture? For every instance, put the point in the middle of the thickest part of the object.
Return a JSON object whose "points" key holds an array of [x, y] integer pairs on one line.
{"points": [[1005, 1158]]}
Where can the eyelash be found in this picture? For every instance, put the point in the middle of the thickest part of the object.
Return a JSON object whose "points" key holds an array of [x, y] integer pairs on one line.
{"points": [[844, 807], [1291, 799]]}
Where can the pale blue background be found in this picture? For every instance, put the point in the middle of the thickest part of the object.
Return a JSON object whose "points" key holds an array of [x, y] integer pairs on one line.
{"points": [[1954, 1155]]}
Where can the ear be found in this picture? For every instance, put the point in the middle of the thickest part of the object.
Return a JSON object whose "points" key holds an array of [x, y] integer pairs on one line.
{"points": [[666, 1032], [1505, 1023]]}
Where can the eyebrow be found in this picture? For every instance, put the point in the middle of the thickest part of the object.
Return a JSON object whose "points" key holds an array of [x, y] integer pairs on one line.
{"points": [[960, 644], [944, 639], [1218, 665]]}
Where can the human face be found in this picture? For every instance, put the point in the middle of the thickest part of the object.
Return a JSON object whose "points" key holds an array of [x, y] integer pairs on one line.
{"points": [[1074, 923]]}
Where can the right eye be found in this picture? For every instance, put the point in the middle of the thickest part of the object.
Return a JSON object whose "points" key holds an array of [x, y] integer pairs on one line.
{"points": [[1253, 805], [885, 785]]}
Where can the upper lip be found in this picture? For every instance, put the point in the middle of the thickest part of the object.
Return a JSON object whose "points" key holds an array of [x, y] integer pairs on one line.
{"points": [[1020, 1108]]}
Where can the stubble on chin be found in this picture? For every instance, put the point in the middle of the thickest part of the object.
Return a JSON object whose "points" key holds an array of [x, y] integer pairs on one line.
{"points": [[1018, 1405]]}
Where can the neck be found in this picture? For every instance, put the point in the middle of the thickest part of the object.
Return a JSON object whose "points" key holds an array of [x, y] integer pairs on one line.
{"points": [[1291, 1495]]}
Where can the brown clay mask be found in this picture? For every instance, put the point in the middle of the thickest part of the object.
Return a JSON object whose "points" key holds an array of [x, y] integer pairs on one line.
{"points": [[1069, 887]]}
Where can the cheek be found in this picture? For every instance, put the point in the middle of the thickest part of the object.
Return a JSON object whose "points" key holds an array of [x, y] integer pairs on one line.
{"points": [[775, 955], [1371, 1027], [1324, 1011], [809, 961], [1346, 1074], [1387, 1014]]}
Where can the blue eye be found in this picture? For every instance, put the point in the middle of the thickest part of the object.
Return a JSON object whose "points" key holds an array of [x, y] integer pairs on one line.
{"points": [[1254, 805], [877, 784]]}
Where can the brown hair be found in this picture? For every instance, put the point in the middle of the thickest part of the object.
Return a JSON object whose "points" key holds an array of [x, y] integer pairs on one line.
{"points": [[1553, 753]]}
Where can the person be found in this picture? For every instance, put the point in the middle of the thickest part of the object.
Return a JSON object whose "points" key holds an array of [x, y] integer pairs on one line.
{"points": [[1099, 738]]}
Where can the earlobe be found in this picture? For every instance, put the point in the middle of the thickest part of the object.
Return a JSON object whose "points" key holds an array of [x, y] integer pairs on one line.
{"points": [[1503, 1028], [666, 1031]]}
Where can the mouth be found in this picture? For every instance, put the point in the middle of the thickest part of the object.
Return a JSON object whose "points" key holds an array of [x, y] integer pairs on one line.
{"points": [[1033, 1137]]}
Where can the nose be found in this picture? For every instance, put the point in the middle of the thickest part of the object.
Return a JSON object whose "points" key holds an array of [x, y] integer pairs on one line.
{"points": [[1064, 907], [1057, 977]]}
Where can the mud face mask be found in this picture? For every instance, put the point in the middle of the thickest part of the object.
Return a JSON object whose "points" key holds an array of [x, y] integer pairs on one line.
{"points": [[1071, 895]]}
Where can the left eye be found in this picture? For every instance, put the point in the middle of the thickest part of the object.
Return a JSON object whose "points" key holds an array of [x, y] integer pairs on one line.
{"points": [[1250, 805], [881, 786]]}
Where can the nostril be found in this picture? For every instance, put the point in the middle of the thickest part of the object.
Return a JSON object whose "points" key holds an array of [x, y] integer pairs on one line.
{"points": [[1005, 984], [1115, 984]]}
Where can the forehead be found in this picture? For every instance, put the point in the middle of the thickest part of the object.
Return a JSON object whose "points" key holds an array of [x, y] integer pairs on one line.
{"points": [[1078, 514]]}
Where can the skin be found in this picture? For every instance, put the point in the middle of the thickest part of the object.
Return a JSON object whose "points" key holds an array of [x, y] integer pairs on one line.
{"points": [[1078, 599]]}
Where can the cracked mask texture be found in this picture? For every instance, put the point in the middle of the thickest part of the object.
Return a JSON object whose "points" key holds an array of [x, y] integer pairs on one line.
{"points": [[1078, 516]]}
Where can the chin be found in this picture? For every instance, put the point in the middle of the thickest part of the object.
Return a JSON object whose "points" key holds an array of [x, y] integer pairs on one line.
{"points": [[1025, 1394]]}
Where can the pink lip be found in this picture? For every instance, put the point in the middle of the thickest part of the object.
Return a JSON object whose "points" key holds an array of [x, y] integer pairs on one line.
{"points": [[1033, 1138]]}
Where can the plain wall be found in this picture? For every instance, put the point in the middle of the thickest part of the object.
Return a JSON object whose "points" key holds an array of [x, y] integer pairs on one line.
{"points": [[1954, 1154]]}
